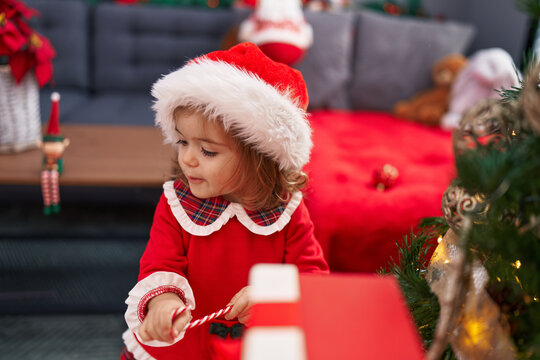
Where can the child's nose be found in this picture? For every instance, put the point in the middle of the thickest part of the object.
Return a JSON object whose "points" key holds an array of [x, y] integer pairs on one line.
{"points": [[189, 158]]}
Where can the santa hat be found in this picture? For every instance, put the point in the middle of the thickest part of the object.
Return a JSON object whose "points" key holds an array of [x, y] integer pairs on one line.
{"points": [[53, 127], [262, 100]]}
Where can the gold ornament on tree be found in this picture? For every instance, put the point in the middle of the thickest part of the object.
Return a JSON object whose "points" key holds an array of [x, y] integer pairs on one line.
{"points": [[469, 319], [473, 324], [457, 203], [488, 120]]}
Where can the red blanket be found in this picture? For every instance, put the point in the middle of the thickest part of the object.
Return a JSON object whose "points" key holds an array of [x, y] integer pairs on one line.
{"points": [[356, 224]]}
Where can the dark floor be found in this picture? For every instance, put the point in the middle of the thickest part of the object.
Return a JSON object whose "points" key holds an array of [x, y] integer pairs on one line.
{"points": [[64, 278], [61, 337]]}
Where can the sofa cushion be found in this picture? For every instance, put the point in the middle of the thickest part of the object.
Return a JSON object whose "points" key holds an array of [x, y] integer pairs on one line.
{"points": [[327, 65], [394, 56], [65, 24], [135, 45]]}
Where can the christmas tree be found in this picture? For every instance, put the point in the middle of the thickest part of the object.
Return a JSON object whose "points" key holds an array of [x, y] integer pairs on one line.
{"points": [[480, 290], [477, 296]]}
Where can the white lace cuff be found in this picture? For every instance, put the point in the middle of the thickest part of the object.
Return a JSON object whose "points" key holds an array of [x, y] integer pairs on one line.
{"points": [[151, 286]]}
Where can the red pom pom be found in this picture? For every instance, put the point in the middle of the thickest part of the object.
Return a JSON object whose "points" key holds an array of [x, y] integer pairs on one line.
{"points": [[284, 53], [385, 177]]}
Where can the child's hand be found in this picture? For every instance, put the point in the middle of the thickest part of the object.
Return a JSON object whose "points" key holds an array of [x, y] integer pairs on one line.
{"points": [[241, 306], [158, 324]]}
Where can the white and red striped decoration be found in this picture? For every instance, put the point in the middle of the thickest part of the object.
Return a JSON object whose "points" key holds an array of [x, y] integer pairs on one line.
{"points": [[45, 187], [275, 288], [202, 320], [207, 318], [55, 189], [50, 187]]}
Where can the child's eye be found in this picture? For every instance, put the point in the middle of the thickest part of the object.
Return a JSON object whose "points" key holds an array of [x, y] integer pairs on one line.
{"points": [[208, 153], [182, 142]]}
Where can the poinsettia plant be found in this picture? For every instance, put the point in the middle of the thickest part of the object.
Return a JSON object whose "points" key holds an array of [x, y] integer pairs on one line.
{"points": [[20, 46]]}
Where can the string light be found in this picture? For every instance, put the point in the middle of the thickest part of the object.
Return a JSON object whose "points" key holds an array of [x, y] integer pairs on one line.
{"points": [[517, 264], [478, 333], [519, 282], [439, 239]]}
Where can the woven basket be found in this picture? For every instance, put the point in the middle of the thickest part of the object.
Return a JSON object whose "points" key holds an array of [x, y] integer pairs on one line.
{"points": [[20, 121]]}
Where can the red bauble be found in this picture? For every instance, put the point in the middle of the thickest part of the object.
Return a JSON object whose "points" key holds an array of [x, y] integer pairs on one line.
{"points": [[385, 177]]}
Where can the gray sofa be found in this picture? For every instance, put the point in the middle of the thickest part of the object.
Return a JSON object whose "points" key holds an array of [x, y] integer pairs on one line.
{"points": [[109, 55]]}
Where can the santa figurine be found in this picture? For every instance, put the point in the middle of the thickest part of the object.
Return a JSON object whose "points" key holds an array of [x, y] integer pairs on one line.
{"points": [[279, 29], [53, 147]]}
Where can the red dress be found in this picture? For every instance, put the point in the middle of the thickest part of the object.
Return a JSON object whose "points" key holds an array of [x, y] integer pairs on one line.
{"points": [[203, 251]]}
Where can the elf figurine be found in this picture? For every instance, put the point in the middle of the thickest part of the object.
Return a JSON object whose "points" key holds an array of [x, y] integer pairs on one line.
{"points": [[53, 147]]}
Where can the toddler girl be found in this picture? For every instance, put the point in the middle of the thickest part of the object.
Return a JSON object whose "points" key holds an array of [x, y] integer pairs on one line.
{"points": [[239, 123]]}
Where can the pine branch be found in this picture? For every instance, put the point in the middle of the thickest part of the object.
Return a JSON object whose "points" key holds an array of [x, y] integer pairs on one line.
{"points": [[512, 94], [410, 269], [531, 7]]}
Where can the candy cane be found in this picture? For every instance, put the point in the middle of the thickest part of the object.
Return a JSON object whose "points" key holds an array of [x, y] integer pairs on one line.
{"points": [[204, 319], [207, 318]]}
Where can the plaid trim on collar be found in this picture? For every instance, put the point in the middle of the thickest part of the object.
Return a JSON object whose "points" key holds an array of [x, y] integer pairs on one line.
{"points": [[205, 211], [266, 217]]}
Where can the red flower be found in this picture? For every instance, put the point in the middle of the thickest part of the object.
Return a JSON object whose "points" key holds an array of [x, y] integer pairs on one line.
{"points": [[38, 55], [18, 8], [25, 48], [11, 38]]}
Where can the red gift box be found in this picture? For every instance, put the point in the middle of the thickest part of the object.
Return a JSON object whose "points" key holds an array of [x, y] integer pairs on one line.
{"points": [[344, 316]]}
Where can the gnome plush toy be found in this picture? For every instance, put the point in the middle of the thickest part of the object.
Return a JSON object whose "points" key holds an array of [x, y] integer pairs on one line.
{"points": [[279, 29], [53, 147], [488, 70]]}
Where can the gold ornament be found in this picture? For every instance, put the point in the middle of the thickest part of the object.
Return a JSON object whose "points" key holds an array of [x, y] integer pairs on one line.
{"points": [[489, 120], [476, 330], [456, 203]]}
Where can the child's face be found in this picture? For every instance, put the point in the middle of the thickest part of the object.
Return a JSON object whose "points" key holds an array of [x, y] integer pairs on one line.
{"points": [[207, 156]]}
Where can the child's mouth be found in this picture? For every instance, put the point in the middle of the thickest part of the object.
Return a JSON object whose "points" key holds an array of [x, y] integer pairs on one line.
{"points": [[194, 180]]}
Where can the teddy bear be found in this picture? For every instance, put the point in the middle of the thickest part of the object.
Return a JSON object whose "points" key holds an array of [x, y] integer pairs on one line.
{"points": [[428, 106]]}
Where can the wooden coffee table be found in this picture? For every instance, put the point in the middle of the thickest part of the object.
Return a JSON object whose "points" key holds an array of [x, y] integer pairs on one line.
{"points": [[99, 155]]}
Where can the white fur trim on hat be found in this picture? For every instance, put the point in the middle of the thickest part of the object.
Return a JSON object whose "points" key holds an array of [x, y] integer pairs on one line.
{"points": [[265, 117]]}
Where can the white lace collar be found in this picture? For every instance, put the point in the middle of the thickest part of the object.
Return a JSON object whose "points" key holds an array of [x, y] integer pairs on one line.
{"points": [[204, 216]]}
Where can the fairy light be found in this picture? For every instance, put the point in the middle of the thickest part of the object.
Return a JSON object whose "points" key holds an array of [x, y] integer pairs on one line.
{"points": [[439, 239], [514, 133], [478, 333], [499, 279], [517, 264], [518, 281]]}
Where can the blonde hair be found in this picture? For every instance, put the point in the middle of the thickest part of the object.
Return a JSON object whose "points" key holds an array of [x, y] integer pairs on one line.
{"points": [[269, 187]]}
